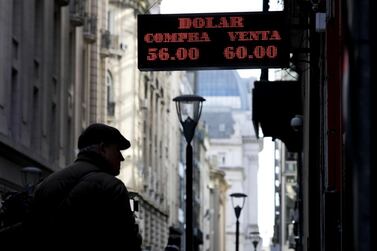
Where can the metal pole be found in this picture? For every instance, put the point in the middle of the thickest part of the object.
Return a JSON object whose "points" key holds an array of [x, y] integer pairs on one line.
{"points": [[300, 202], [237, 233], [189, 229], [264, 70]]}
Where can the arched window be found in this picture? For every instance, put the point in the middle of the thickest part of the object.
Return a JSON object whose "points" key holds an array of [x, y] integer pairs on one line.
{"points": [[110, 94]]}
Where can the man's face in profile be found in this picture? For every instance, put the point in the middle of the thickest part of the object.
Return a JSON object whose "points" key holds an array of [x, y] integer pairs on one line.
{"points": [[112, 154]]}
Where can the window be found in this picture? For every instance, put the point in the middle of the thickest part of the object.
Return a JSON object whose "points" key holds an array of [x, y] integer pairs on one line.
{"points": [[110, 95], [222, 158], [146, 87], [110, 21]]}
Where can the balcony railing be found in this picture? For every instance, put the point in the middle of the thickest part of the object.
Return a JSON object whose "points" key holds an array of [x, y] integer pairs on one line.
{"points": [[90, 28], [77, 12], [110, 44]]}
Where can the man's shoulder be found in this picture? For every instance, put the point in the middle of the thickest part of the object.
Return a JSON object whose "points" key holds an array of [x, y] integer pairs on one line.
{"points": [[105, 180], [64, 179]]}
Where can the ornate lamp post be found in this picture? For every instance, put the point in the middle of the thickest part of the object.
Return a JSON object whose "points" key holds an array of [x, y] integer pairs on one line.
{"points": [[255, 239], [238, 201], [189, 109]]}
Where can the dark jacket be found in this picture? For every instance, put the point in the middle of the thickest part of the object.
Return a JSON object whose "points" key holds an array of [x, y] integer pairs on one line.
{"points": [[84, 205]]}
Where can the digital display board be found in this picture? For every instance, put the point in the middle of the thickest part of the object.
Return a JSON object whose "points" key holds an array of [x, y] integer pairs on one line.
{"points": [[212, 41]]}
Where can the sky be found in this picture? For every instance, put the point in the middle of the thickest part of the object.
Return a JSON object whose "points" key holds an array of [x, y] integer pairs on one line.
{"points": [[266, 161], [195, 6]]}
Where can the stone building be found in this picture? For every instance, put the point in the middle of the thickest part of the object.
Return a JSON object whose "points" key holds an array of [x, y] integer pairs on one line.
{"points": [[67, 63], [140, 105], [48, 69]]}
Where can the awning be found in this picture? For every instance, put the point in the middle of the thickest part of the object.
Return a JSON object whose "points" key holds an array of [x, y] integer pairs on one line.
{"points": [[274, 105]]}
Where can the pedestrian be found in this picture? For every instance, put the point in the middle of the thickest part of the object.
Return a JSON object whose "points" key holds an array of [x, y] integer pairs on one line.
{"points": [[174, 240], [84, 205]]}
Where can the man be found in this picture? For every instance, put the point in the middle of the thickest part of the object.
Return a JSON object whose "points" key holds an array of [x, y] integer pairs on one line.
{"points": [[85, 205]]}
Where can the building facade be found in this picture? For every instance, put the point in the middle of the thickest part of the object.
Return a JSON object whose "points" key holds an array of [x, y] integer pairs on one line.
{"points": [[227, 114], [332, 52], [286, 199], [46, 81], [66, 64]]}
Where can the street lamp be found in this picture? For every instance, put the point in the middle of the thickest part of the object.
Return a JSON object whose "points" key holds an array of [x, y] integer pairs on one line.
{"points": [[255, 239], [189, 109], [238, 201], [30, 176]]}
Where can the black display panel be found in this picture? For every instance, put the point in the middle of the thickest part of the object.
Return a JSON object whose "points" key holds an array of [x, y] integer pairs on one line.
{"points": [[212, 41]]}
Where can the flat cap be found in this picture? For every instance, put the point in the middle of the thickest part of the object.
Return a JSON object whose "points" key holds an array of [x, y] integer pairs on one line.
{"points": [[100, 133]]}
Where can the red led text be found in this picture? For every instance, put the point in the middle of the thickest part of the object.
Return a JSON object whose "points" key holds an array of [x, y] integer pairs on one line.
{"points": [[210, 22]]}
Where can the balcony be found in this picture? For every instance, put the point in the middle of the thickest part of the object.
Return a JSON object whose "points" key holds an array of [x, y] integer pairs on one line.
{"points": [[110, 45], [143, 104], [90, 28], [139, 6], [77, 12]]}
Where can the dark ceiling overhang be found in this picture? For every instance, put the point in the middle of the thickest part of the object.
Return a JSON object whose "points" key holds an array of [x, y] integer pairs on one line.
{"points": [[274, 105]]}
